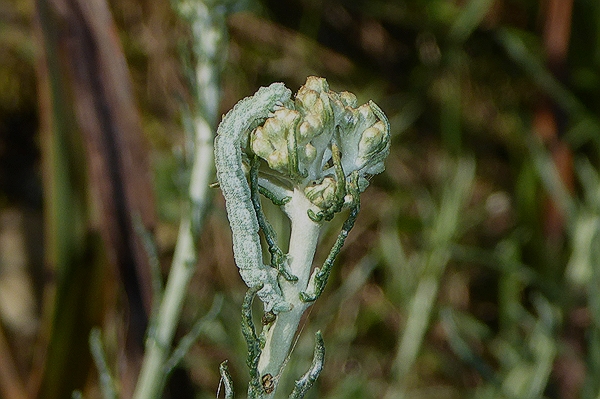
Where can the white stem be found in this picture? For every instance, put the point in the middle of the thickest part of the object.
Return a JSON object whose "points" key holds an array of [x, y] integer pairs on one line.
{"points": [[152, 376], [303, 244], [158, 346]]}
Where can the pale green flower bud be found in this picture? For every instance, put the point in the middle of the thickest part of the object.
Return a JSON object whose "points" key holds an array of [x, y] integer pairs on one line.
{"points": [[373, 148], [270, 141], [348, 99], [364, 141], [317, 84], [322, 194], [310, 127]]}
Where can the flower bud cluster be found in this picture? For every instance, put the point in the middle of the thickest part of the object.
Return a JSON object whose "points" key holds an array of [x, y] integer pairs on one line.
{"points": [[296, 140]]}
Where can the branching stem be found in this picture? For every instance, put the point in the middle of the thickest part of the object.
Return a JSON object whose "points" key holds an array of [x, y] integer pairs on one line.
{"points": [[303, 244]]}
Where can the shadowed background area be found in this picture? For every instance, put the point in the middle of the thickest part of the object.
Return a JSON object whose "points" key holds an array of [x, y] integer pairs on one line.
{"points": [[474, 266]]}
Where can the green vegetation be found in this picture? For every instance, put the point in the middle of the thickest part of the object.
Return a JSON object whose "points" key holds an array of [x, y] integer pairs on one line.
{"points": [[473, 268]]}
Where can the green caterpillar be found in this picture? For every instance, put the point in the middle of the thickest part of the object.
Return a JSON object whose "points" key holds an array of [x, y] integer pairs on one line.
{"points": [[232, 134]]}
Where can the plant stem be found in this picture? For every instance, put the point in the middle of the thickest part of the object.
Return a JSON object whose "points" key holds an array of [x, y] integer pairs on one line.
{"points": [[208, 29], [158, 345], [303, 244]]}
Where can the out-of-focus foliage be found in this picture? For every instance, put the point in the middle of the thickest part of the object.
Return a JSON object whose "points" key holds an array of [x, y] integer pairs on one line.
{"points": [[474, 266]]}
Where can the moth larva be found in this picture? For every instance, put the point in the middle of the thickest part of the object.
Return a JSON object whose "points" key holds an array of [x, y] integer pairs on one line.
{"points": [[231, 135]]}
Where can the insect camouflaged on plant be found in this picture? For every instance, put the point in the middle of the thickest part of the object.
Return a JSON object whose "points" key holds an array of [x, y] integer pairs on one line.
{"points": [[232, 131], [312, 156]]}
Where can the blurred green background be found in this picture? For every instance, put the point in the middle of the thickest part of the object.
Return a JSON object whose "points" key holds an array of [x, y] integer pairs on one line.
{"points": [[474, 267]]}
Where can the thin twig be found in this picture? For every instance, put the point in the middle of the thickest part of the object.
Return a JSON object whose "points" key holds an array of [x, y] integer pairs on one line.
{"points": [[191, 337], [304, 383], [255, 389], [226, 380], [149, 244]]}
